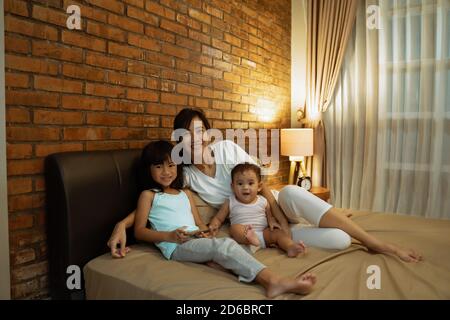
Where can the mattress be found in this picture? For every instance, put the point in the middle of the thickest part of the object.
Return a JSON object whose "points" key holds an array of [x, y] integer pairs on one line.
{"points": [[347, 274]]}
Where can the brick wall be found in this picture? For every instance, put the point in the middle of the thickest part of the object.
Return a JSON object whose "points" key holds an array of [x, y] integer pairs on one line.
{"points": [[118, 83]]}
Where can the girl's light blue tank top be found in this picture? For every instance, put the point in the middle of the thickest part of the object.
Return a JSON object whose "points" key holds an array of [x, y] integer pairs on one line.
{"points": [[170, 212]]}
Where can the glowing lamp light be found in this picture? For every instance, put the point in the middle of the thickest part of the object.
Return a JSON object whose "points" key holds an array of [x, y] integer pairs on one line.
{"points": [[265, 109]]}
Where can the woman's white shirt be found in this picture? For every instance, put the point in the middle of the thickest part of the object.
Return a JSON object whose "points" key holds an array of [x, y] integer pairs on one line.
{"points": [[215, 190]]}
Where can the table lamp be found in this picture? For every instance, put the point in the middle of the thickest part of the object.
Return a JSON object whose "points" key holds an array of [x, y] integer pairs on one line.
{"points": [[297, 144]]}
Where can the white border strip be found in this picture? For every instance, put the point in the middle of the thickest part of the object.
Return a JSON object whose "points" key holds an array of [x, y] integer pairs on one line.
{"points": [[5, 285]]}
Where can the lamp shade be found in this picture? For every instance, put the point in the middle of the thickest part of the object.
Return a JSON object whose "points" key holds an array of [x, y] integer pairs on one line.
{"points": [[297, 142]]}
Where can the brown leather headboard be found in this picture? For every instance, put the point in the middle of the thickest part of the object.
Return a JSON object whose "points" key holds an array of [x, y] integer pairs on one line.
{"points": [[87, 194]]}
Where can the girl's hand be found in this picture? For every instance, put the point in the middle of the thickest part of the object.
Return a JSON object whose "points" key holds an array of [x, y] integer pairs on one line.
{"points": [[118, 237], [214, 226], [179, 235]]}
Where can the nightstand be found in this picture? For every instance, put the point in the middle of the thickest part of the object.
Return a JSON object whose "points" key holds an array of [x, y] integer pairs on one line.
{"points": [[321, 192]]}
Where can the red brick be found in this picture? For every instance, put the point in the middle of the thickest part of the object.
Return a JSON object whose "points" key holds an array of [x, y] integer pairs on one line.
{"points": [[17, 80], [34, 65], [143, 42], [55, 84], [221, 105], [179, 76], [82, 102], [136, 3], [143, 68], [232, 96], [57, 51], [20, 202], [43, 150], [167, 122], [49, 15], [30, 271], [18, 222], [19, 186], [198, 36], [213, 114], [127, 133], [143, 16], [39, 99], [16, 7], [98, 60], [239, 125], [212, 72], [24, 289], [39, 182], [125, 23], [15, 44], [189, 44], [125, 106], [85, 133], [222, 85], [23, 256], [57, 117], [124, 79], [212, 10], [225, 66], [153, 108], [159, 34], [189, 22], [142, 95], [221, 124], [21, 239], [36, 30], [18, 151], [105, 91], [160, 59], [106, 31], [175, 51], [88, 11], [216, 43], [174, 27], [189, 89], [31, 134], [82, 41], [111, 5], [105, 145], [214, 94], [83, 72], [155, 8], [202, 103], [203, 17], [105, 119], [231, 116], [125, 51], [188, 65], [17, 115], [143, 121], [152, 83], [173, 99]]}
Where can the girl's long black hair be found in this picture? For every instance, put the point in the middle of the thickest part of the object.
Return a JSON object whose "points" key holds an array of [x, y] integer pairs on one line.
{"points": [[154, 153]]}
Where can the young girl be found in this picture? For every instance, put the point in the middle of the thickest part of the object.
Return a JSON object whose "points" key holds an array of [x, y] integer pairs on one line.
{"points": [[172, 214], [251, 219]]}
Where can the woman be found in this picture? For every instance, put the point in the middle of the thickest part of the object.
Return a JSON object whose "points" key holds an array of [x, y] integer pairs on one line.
{"points": [[211, 179]]}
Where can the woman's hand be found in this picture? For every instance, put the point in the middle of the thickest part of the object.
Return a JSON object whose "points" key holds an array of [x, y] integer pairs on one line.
{"points": [[273, 223], [214, 226], [118, 236], [179, 235]]}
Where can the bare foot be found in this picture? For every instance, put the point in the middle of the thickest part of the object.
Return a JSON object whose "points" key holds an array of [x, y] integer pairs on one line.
{"points": [[251, 236], [295, 249], [407, 255], [300, 285]]}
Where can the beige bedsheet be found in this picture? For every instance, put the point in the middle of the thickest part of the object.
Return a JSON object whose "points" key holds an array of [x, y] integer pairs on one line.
{"points": [[145, 274]]}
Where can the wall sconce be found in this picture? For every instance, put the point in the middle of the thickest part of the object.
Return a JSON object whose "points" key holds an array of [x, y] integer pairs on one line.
{"points": [[265, 109], [301, 113]]}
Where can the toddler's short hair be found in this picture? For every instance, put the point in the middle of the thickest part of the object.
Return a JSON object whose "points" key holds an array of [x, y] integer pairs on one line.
{"points": [[241, 167]]}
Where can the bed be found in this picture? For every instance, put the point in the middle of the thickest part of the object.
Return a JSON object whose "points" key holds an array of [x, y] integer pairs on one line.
{"points": [[88, 192]]}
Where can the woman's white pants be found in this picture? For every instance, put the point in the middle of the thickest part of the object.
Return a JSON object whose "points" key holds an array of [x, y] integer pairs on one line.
{"points": [[300, 205]]}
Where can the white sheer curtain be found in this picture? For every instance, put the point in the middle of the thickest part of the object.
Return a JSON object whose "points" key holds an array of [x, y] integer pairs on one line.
{"points": [[388, 127]]}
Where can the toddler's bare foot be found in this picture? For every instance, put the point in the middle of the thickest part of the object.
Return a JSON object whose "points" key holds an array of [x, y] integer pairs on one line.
{"points": [[295, 249], [300, 285], [251, 236]]}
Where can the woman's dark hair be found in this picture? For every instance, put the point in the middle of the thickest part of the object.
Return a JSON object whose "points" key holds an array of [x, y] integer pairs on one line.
{"points": [[184, 117], [155, 153]]}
